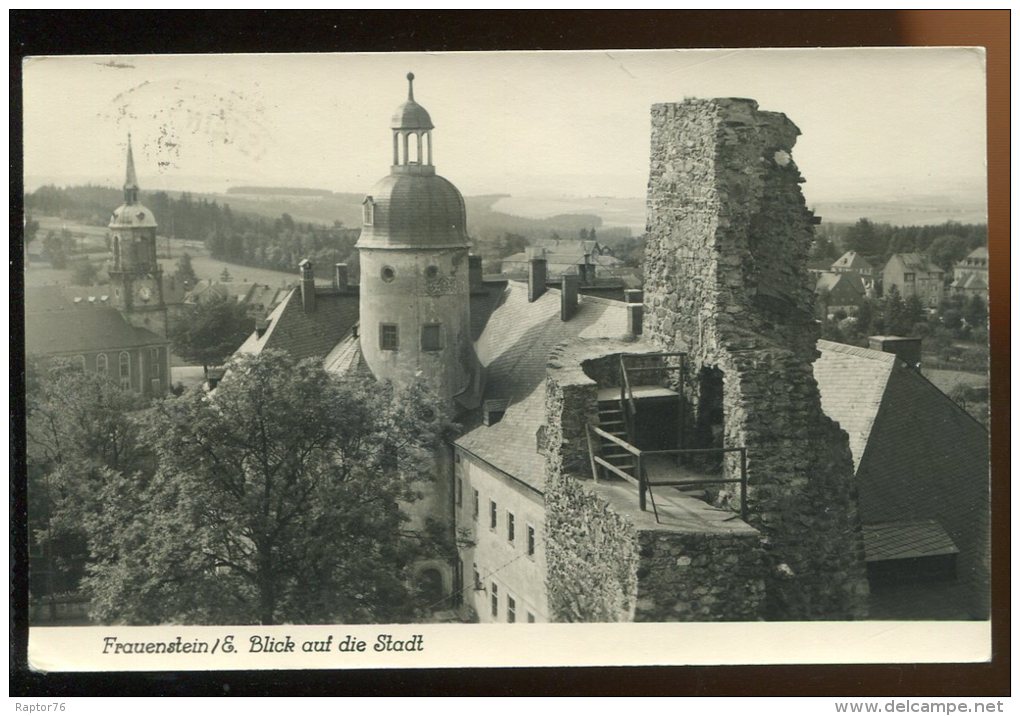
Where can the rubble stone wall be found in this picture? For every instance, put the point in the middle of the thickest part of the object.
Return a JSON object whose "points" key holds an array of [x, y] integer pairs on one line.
{"points": [[726, 280], [697, 577]]}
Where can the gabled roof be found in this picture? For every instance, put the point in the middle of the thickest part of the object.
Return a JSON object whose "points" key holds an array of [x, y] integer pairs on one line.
{"points": [[852, 260], [514, 349], [973, 281], [829, 281], [55, 325], [306, 335], [918, 263]]}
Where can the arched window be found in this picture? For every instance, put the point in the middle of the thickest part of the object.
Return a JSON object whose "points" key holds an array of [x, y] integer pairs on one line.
{"points": [[125, 369], [102, 365], [415, 156], [368, 211]]}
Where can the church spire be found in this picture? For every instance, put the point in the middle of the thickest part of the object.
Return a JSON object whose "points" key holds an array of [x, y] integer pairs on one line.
{"points": [[131, 179], [410, 87]]}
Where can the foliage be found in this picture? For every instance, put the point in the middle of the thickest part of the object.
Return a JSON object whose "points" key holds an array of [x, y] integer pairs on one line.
{"points": [[879, 241], [211, 331], [277, 499], [947, 249], [80, 431], [84, 273], [185, 272], [57, 247]]}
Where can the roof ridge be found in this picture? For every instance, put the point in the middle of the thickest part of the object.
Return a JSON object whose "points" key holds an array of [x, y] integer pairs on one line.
{"points": [[869, 353]]}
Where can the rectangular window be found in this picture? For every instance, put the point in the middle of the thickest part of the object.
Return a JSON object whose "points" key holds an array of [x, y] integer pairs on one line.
{"points": [[495, 600], [908, 277], [492, 515], [388, 339], [531, 541], [430, 337], [476, 505], [460, 490], [154, 359], [510, 526], [511, 609], [531, 618]]}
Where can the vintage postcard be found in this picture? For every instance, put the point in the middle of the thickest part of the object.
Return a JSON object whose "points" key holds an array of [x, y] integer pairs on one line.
{"points": [[504, 359]]}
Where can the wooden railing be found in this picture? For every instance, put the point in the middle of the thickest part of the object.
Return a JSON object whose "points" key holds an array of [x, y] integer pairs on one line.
{"points": [[627, 403], [640, 477]]}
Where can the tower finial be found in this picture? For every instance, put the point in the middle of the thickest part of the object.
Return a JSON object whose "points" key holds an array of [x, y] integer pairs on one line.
{"points": [[410, 87]]}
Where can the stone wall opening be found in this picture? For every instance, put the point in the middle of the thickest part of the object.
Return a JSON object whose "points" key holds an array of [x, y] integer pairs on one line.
{"points": [[710, 421]]}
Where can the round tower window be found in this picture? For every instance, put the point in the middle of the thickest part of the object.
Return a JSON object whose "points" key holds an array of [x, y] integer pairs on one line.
{"points": [[432, 271], [388, 274]]}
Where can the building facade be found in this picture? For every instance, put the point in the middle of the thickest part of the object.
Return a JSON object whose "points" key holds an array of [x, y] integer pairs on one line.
{"points": [[914, 275], [970, 276]]}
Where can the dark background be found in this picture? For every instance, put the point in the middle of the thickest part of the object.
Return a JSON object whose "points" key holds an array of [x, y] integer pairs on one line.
{"points": [[135, 32]]}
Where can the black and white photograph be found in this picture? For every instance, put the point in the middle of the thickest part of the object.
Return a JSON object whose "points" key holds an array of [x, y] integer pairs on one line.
{"points": [[442, 340]]}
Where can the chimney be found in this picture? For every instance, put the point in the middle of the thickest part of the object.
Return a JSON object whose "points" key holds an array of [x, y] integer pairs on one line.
{"points": [[587, 274], [340, 280], [907, 350], [568, 297], [536, 277], [635, 314], [307, 285], [633, 295], [474, 273]]}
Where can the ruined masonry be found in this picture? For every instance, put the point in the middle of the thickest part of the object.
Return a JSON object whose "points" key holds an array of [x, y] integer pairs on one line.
{"points": [[726, 281]]}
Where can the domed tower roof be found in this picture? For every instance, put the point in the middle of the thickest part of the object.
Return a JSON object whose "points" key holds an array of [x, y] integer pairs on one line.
{"points": [[131, 214], [413, 207], [411, 115]]}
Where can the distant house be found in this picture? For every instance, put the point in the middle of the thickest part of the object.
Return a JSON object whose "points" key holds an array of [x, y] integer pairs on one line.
{"points": [[970, 276], [921, 466], [914, 275], [839, 291], [853, 263], [80, 325], [259, 299]]}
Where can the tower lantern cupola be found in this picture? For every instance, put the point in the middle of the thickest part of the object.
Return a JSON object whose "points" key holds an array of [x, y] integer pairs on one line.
{"points": [[412, 135], [413, 254]]}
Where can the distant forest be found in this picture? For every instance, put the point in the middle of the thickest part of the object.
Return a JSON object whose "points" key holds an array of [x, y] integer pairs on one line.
{"points": [[237, 237], [944, 244], [278, 231]]}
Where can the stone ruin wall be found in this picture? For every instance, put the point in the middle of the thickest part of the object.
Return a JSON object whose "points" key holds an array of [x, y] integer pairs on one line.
{"points": [[726, 280], [600, 566]]}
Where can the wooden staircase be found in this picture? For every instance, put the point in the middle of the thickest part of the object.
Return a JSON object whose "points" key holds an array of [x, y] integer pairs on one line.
{"points": [[612, 421]]}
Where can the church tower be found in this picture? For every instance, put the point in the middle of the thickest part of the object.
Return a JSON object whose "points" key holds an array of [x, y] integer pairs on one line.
{"points": [[135, 274], [413, 250]]}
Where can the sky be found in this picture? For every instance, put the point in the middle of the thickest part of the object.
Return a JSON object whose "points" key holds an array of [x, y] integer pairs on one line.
{"points": [[876, 123]]}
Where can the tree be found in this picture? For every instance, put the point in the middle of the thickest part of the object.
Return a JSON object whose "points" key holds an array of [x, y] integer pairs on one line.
{"points": [[863, 237], [211, 331], [185, 272], [80, 430], [947, 249], [56, 249], [975, 312], [225, 275], [83, 273], [277, 499]]}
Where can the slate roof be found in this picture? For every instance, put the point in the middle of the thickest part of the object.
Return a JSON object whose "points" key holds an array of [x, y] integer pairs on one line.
{"points": [[55, 325], [906, 540], [829, 281], [483, 303], [918, 455], [306, 335], [514, 349]]}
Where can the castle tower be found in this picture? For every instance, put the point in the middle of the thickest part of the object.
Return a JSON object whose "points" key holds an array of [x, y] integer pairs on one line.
{"points": [[726, 281], [413, 251], [135, 274]]}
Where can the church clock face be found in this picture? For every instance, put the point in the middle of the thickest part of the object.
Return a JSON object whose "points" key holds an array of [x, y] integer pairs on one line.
{"points": [[143, 293]]}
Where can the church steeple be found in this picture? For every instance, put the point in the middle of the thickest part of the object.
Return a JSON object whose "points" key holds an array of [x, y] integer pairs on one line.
{"points": [[131, 179]]}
